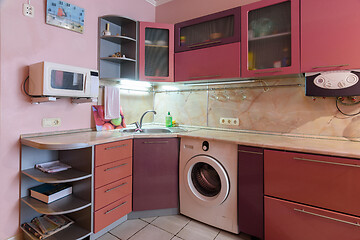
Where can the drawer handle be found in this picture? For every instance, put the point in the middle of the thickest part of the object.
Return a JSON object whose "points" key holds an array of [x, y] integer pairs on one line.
{"points": [[273, 71], [333, 163], [109, 211], [119, 146], [330, 218], [203, 44], [108, 190], [108, 169], [244, 151], [156, 142], [206, 76], [331, 66], [157, 79]]}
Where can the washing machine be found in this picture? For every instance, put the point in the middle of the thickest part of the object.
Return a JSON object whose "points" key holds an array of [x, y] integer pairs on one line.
{"points": [[208, 182]]}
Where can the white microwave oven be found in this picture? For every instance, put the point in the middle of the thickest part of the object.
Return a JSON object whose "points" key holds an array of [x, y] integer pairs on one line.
{"points": [[58, 80]]}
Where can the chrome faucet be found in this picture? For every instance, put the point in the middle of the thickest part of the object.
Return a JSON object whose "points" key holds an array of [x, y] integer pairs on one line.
{"points": [[141, 119]]}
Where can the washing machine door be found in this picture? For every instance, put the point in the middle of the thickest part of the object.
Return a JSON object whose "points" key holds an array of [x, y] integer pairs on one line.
{"points": [[206, 180]]}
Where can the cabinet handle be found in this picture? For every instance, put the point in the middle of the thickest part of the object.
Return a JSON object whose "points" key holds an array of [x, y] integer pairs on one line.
{"points": [[331, 66], [109, 211], [158, 79], [108, 169], [244, 151], [322, 216], [156, 142], [333, 163], [208, 76], [204, 44], [273, 71], [119, 146], [108, 190]]}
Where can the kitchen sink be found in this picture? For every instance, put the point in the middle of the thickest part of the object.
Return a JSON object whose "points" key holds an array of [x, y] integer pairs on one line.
{"points": [[152, 130]]}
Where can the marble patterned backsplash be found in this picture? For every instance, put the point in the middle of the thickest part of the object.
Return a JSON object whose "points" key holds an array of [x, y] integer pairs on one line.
{"points": [[259, 108]]}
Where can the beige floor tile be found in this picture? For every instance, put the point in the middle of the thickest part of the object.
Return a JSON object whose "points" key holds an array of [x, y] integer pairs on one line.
{"points": [[172, 224], [198, 231], [176, 238], [151, 232], [107, 236], [127, 229], [149, 220], [230, 236]]}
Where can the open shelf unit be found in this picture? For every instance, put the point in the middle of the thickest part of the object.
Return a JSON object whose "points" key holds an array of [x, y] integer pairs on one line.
{"points": [[123, 41], [77, 206]]}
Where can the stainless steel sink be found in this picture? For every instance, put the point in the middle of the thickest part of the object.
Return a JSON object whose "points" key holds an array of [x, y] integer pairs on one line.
{"points": [[153, 130]]}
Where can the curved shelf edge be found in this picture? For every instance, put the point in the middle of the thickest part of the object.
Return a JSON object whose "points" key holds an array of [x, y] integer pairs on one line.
{"points": [[64, 205], [72, 232], [118, 39], [69, 175], [118, 59]]}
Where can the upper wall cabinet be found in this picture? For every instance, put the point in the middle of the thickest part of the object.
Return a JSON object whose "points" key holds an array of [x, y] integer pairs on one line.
{"points": [[207, 31], [270, 38], [117, 47], [329, 36], [156, 52]]}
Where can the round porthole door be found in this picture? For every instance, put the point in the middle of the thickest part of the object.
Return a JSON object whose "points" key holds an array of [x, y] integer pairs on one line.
{"points": [[206, 180]]}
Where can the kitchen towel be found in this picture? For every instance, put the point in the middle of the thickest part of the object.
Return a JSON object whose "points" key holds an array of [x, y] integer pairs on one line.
{"points": [[111, 102]]}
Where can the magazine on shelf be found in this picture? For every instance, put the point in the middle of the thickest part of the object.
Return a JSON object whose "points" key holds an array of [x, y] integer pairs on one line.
{"points": [[50, 192], [46, 225], [52, 167]]}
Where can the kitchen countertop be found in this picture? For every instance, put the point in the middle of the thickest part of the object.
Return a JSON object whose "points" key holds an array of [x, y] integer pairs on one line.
{"points": [[310, 144]]}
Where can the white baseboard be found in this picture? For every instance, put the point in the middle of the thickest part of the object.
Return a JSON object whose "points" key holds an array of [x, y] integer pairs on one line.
{"points": [[18, 236]]}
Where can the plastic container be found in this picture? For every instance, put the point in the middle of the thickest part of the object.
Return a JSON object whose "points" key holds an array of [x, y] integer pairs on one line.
{"points": [[168, 120]]}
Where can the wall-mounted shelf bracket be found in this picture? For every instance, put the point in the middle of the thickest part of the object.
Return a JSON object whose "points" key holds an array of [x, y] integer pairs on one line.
{"points": [[37, 100], [83, 100]]}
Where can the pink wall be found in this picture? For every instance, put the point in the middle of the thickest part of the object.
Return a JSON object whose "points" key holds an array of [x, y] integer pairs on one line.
{"points": [[181, 10], [24, 41]]}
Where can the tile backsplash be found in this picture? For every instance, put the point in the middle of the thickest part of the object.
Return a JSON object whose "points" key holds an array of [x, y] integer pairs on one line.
{"points": [[259, 108]]}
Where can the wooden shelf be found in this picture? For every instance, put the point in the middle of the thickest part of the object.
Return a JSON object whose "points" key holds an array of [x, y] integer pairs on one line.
{"points": [[69, 175], [118, 59], [118, 39], [157, 46], [64, 205], [72, 232], [270, 36]]}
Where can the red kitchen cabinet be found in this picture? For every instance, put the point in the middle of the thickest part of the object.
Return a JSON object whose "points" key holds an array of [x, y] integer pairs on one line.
{"points": [[156, 52], [322, 181], [155, 173], [208, 63], [292, 221], [270, 38], [251, 191], [329, 37]]}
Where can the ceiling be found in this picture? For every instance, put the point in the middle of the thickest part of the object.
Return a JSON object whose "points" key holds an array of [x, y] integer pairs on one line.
{"points": [[158, 2]]}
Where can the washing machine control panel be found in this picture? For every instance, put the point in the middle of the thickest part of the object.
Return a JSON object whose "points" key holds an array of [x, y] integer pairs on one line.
{"points": [[205, 145]]}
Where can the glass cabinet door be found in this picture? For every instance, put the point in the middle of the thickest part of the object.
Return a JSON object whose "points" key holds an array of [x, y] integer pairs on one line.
{"points": [[207, 31], [271, 37], [156, 52]]}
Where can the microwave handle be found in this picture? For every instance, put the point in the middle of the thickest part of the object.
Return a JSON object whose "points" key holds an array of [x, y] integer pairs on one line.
{"points": [[86, 80]]}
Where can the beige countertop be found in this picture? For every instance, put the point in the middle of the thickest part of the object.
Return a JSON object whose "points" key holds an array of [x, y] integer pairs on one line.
{"points": [[310, 144]]}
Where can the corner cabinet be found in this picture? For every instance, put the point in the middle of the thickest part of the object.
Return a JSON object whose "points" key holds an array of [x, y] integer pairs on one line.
{"points": [[329, 39], [118, 48], [208, 47], [270, 38], [156, 52], [76, 206]]}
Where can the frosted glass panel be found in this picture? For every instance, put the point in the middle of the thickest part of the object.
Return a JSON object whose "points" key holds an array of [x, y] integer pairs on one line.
{"points": [[156, 52], [269, 36]]}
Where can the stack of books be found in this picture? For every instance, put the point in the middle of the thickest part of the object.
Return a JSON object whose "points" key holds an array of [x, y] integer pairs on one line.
{"points": [[46, 225], [50, 192]]}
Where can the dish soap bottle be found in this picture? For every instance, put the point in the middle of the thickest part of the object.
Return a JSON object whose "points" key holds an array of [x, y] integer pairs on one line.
{"points": [[168, 120]]}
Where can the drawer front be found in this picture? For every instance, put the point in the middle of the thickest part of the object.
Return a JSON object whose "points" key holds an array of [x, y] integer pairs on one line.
{"points": [[111, 172], [286, 220], [322, 181], [110, 152], [112, 192], [112, 213]]}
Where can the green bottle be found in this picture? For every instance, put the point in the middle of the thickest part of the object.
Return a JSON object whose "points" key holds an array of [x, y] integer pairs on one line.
{"points": [[168, 120]]}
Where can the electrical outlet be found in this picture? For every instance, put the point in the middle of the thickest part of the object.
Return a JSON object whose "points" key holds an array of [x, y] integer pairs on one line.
{"points": [[28, 10], [229, 121], [51, 122]]}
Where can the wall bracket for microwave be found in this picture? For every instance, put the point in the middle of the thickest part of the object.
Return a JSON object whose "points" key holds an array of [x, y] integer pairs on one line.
{"points": [[333, 83]]}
